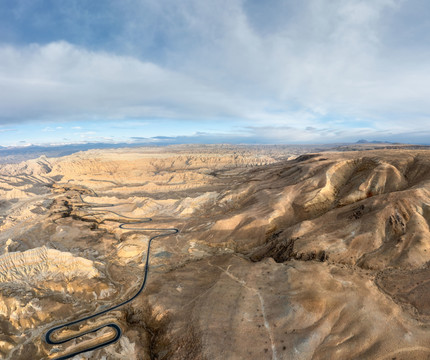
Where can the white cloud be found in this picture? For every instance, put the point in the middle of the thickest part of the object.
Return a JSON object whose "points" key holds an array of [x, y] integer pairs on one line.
{"points": [[59, 79], [321, 64]]}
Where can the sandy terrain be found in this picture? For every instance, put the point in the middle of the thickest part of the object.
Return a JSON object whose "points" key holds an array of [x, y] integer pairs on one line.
{"points": [[279, 255]]}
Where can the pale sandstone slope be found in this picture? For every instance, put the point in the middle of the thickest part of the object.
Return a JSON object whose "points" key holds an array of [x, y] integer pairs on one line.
{"points": [[321, 257]]}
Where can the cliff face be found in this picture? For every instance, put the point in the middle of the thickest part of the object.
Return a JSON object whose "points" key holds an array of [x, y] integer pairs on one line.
{"points": [[324, 256]]}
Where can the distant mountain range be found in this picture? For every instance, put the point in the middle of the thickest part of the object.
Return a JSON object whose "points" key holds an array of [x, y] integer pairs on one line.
{"points": [[17, 154], [362, 141]]}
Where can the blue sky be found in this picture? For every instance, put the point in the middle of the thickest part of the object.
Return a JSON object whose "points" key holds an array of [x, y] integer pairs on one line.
{"points": [[243, 71]]}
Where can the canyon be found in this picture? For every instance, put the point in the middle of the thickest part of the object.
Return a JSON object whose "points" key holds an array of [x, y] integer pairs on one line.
{"points": [[282, 252]]}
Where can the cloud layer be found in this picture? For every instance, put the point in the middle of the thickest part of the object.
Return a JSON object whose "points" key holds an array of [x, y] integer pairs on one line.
{"points": [[59, 80], [316, 68]]}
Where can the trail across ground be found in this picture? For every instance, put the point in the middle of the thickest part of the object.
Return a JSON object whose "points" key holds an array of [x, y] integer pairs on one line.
{"points": [[115, 327]]}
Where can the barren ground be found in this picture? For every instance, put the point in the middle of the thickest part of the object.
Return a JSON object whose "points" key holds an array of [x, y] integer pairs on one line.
{"points": [[279, 256]]}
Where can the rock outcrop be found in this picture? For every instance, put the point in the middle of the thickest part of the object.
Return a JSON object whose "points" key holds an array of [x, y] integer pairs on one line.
{"points": [[321, 256]]}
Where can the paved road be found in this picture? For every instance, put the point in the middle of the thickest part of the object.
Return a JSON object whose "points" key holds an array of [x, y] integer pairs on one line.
{"points": [[115, 327]]}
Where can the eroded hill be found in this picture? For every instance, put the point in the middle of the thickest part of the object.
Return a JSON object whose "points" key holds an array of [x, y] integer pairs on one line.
{"points": [[320, 256]]}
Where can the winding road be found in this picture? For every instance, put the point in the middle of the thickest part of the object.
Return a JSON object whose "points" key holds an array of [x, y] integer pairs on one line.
{"points": [[115, 327]]}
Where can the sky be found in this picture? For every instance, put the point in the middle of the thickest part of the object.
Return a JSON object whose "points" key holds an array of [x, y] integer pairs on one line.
{"points": [[238, 71]]}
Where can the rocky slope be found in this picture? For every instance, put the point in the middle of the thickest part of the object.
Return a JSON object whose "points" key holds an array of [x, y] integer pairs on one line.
{"points": [[320, 256]]}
